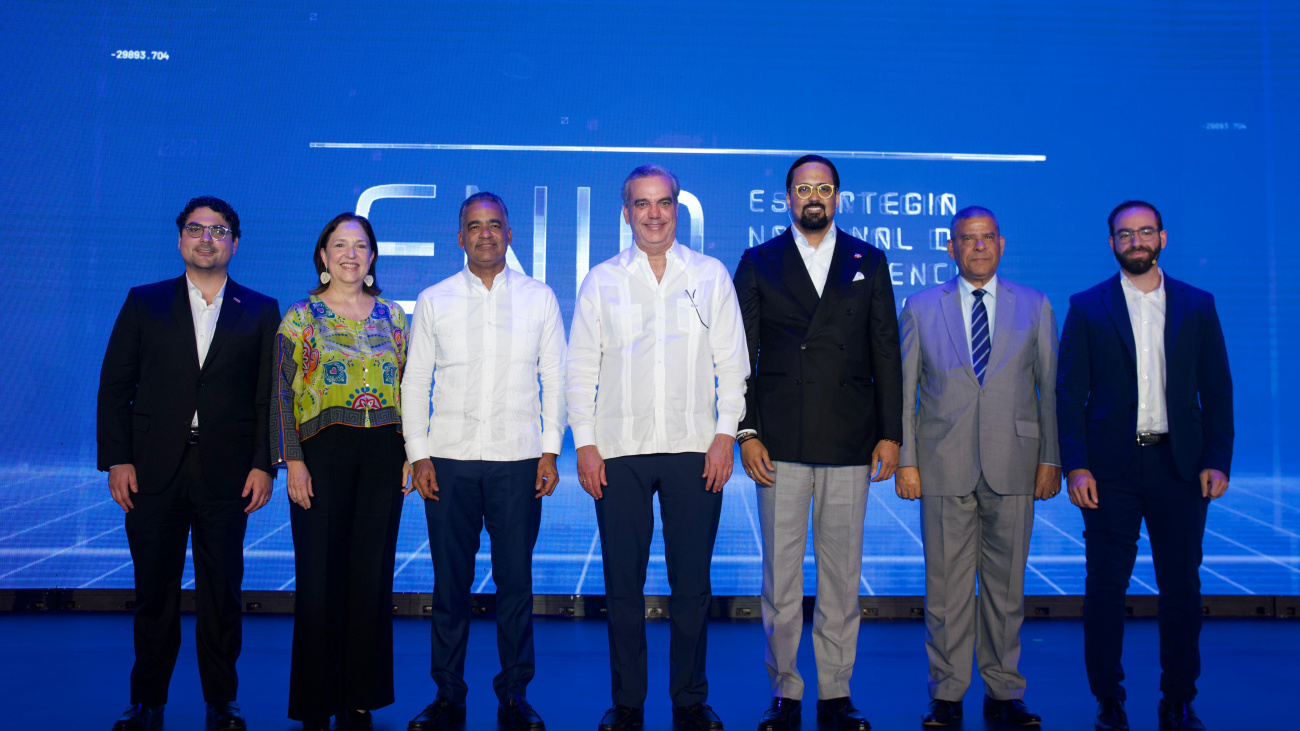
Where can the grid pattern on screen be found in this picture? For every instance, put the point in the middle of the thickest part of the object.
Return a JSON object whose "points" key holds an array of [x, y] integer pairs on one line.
{"points": [[60, 529]]}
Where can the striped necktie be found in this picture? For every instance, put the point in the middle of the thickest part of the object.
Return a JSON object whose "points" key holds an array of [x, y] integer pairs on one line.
{"points": [[979, 336]]}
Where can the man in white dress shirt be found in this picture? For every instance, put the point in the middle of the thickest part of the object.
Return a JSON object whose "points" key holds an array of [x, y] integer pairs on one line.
{"points": [[486, 455], [656, 383]]}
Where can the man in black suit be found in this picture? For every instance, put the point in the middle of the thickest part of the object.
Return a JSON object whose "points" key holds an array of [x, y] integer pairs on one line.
{"points": [[1144, 404], [182, 431], [823, 418]]}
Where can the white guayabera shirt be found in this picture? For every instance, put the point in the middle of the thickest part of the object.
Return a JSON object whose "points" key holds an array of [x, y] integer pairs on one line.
{"points": [[656, 367], [483, 352]]}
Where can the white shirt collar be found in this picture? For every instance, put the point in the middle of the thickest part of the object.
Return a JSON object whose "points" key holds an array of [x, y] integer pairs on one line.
{"points": [[633, 254], [1130, 289], [967, 289], [828, 242], [197, 294], [500, 280]]}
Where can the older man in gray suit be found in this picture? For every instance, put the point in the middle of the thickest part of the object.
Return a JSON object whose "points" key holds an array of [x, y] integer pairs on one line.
{"points": [[979, 445]]}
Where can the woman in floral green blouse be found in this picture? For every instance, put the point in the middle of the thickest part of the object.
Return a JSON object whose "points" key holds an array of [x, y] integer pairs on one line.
{"points": [[336, 426]]}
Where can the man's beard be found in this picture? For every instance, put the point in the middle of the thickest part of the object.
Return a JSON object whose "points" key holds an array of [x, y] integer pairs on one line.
{"points": [[1138, 267], [813, 224]]}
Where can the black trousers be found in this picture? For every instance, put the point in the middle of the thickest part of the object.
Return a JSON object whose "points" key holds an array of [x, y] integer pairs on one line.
{"points": [[157, 530], [690, 524], [1174, 511], [501, 496], [344, 548]]}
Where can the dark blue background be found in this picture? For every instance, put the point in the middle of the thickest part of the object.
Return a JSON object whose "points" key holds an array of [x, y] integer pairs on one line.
{"points": [[1187, 104]]}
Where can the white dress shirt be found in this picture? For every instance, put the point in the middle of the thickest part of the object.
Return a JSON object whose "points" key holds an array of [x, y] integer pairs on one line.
{"points": [[1146, 312], [205, 323], [477, 354], [968, 307], [817, 261], [656, 366]]}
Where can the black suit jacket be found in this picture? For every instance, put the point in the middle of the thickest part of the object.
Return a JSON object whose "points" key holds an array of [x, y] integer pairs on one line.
{"points": [[151, 384], [1097, 389], [826, 377]]}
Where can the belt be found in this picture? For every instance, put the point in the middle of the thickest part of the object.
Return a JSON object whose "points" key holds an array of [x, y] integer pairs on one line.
{"points": [[194, 437], [1149, 438]]}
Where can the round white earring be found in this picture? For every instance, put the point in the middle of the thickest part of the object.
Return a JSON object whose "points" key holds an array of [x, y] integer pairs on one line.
{"points": [[325, 277], [369, 280]]}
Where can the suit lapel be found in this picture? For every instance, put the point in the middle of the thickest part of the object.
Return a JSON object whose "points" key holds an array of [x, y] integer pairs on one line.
{"points": [[231, 308], [183, 317], [952, 317], [1175, 309], [1003, 324], [792, 274], [1113, 298], [838, 279]]}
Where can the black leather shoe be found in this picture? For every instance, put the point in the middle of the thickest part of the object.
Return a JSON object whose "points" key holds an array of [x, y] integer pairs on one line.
{"points": [[518, 715], [840, 713], [1013, 712], [440, 715], [696, 717], [354, 720], [1179, 717], [782, 715], [942, 713], [225, 716], [140, 718], [622, 718], [1110, 715]]}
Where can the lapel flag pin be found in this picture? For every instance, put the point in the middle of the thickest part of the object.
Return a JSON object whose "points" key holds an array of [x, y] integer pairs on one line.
{"points": [[857, 256]]}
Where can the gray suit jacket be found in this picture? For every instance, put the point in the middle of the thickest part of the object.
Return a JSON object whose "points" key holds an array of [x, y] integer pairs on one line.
{"points": [[952, 428]]}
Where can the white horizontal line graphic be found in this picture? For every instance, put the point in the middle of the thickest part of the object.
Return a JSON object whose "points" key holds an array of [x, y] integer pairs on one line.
{"points": [[843, 154]]}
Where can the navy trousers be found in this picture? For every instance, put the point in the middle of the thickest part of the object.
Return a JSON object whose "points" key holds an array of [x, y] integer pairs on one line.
{"points": [[501, 497], [1174, 511], [690, 524]]}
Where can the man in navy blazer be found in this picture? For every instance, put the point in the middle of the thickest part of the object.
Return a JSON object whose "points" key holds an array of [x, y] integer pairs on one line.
{"points": [[1144, 406], [184, 404]]}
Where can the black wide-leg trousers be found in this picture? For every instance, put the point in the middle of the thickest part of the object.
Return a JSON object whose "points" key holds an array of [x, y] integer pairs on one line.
{"points": [[344, 547]]}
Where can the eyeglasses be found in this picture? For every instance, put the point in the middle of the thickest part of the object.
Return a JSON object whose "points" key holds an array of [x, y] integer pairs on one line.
{"points": [[195, 230], [1146, 235], [805, 190]]}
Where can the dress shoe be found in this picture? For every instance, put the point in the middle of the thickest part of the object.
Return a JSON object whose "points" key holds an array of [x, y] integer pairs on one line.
{"points": [[622, 718], [1179, 717], [1110, 715], [518, 715], [354, 720], [225, 716], [696, 717], [316, 724], [782, 715], [140, 718], [440, 715], [840, 713], [1013, 712], [942, 713]]}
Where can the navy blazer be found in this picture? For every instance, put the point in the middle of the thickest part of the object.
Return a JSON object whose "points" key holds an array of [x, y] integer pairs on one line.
{"points": [[826, 374], [151, 384], [1097, 390]]}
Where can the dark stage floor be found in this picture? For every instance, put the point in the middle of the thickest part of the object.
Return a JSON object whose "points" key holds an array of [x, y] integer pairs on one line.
{"points": [[69, 671]]}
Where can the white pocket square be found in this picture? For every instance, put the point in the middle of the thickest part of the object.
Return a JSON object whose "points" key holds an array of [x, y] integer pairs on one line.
{"points": [[859, 277]]}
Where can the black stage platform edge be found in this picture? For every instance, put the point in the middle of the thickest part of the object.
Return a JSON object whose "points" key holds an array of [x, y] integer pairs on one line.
{"points": [[593, 606]]}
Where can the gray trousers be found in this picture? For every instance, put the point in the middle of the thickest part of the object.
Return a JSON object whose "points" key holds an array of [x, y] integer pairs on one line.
{"points": [[980, 534], [838, 495]]}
